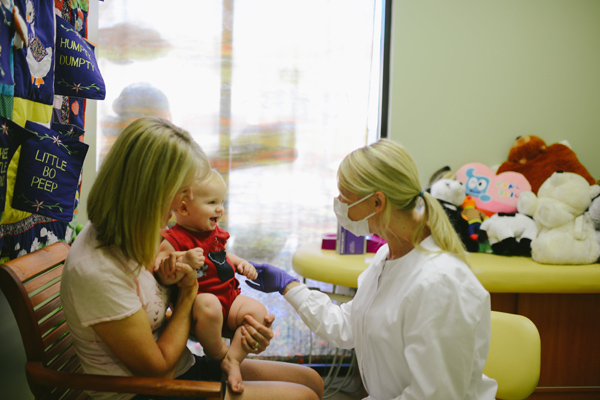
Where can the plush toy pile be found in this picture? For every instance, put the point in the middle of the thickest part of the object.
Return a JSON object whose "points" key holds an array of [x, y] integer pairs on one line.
{"points": [[556, 204]]}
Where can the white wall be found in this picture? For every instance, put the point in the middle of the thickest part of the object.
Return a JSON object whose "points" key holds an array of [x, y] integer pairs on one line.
{"points": [[469, 76]]}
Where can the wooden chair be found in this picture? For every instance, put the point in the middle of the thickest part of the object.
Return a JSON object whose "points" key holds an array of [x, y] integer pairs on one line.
{"points": [[31, 285], [514, 357]]}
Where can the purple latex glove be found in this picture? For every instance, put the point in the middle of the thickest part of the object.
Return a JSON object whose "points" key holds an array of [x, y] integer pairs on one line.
{"points": [[270, 279]]}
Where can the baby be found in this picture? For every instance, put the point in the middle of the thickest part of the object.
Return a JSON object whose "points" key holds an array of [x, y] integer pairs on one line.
{"points": [[219, 307]]}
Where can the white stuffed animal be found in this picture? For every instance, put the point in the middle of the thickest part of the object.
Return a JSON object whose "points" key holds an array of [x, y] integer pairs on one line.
{"points": [[450, 191], [510, 234], [593, 213], [566, 234]]}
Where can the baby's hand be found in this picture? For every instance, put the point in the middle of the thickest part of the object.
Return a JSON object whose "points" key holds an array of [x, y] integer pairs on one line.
{"points": [[194, 258], [247, 269]]}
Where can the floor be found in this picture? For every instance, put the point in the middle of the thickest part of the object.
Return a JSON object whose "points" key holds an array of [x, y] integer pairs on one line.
{"points": [[351, 391], [346, 396]]}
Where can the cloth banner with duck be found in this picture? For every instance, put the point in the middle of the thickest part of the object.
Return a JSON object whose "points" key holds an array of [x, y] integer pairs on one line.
{"points": [[34, 62]]}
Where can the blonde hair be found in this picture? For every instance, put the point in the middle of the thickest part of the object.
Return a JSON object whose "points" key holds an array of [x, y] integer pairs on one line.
{"points": [[387, 167], [149, 162], [212, 175], [199, 188]]}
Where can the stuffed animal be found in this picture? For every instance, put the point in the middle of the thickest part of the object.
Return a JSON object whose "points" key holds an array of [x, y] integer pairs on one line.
{"points": [[510, 234], [531, 157], [473, 216], [593, 213], [566, 234], [443, 173], [492, 193], [450, 194]]}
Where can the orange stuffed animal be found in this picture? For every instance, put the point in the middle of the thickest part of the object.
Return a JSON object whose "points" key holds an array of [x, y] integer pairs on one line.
{"points": [[531, 157]]}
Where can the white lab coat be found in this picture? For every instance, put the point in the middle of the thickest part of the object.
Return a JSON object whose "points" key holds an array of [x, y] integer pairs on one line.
{"points": [[420, 326]]}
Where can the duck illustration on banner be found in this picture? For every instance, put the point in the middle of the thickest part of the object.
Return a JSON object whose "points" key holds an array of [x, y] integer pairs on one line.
{"points": [[39, 57], [34, 62]]}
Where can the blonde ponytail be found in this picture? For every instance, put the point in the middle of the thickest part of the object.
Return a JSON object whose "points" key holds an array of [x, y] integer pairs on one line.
{"points": [[441, 228], [386, 166]]}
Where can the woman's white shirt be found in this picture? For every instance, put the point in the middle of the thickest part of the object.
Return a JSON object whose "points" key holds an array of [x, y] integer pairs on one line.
{"points": [[420, 326], [99, 286]]}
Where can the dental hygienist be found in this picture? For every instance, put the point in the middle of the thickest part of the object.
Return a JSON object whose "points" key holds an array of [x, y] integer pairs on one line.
{"points": [[420, 319]]}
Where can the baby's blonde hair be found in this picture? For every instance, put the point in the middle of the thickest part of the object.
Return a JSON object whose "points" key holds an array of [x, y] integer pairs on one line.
{"points": [[387, 167], [149, 162], [211, 175]]}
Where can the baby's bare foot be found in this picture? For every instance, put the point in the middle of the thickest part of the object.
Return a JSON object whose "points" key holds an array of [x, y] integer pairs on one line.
{"points": [[232, 368]]}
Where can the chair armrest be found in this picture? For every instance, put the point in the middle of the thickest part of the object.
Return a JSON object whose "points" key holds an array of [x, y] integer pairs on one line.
{"points": [[38, 374]]}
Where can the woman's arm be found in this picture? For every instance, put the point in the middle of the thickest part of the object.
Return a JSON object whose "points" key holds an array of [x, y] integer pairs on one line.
{"points": [[290, 286], [328, 320], [132, 341]]}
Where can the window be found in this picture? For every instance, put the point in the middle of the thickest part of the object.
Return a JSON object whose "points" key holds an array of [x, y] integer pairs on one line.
{"points": [[276, 92]]}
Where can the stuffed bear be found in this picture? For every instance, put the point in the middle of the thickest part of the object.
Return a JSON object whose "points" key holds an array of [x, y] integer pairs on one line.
{"points": [[450, 194], [566, 234], [531, 157], [510, 234]]}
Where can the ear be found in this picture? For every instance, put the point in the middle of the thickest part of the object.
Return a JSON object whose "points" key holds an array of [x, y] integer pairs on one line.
{"points": [[380, 201], [182, 209]]}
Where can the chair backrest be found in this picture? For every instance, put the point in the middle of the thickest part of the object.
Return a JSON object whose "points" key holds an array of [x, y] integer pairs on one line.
{"points": [[514, 356], [31, 285]]}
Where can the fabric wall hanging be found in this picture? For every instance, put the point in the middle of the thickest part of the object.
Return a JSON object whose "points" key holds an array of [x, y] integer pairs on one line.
{"points": [[48, 175], [66, 130], [7, 31], [11, 137], [34, 63], [28, 58], [76, 73]]}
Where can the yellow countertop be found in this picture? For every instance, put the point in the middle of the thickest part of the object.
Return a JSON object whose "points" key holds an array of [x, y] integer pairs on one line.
{"points": [[498, 274], [311, 262]]}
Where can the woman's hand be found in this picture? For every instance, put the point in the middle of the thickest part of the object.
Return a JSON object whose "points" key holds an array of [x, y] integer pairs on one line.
{"points": [[188, 279], [256, 336], [166, 267], [270, 279], [188, 285]]}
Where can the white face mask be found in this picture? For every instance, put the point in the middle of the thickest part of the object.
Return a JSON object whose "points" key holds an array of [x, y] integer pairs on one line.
{"points": [[357, 228]]}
